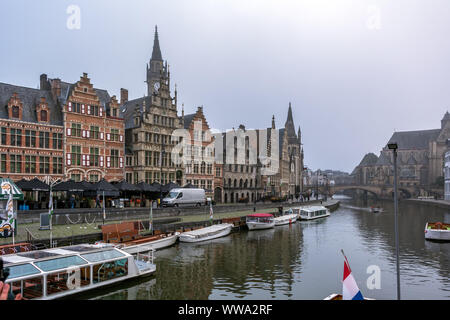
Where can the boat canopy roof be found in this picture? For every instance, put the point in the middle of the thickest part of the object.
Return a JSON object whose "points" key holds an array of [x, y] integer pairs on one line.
{"points": [[38, 261], [261, 215]]}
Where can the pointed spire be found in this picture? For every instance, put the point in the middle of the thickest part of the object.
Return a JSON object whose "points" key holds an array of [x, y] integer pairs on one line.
{"points": [[156, 54], [273, 122], [290, 118]]}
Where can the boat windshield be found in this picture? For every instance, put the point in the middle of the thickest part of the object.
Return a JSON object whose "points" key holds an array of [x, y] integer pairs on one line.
{"points": [[22, 271], [172, 195], [60, 263], [102, 255]]}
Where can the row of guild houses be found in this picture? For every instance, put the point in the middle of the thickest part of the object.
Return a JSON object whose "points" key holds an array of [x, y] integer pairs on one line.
{"points": [[420, 162], [72, 130]]}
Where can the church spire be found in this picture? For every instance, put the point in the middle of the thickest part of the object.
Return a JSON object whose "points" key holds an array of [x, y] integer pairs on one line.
{"points": [[156, 54], [290, 118]]}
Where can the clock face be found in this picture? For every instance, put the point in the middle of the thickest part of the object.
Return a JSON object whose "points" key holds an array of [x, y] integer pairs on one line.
{"points": [[156, 86]]}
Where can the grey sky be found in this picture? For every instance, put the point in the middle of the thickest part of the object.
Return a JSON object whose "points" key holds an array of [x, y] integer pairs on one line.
{"points": [[350, 83]]}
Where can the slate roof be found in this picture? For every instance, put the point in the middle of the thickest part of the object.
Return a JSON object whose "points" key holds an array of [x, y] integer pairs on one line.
{"points": [[383, 160], [414, 140], [369, 159], [30, 98], [188, 119], [127, 110]]}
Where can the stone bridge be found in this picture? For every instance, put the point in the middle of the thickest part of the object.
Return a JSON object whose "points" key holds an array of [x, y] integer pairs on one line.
{"points": [[380, 191]]}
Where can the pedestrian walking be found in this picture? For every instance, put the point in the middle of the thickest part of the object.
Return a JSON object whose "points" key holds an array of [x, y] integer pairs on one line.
{"points": [[97, 202]]}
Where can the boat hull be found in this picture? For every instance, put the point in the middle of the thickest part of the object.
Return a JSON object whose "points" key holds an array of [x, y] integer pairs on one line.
{"points": [[313, 218], [283, 220], [222, 233], [260, 225], [436, 234], [155, 245]]}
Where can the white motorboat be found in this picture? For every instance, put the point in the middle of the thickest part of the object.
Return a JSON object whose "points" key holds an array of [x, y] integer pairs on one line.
{"points": [[60, 272], [145, 244], [437, 231], [258, 221], [285, 219], [313, 212], [208, 233]]}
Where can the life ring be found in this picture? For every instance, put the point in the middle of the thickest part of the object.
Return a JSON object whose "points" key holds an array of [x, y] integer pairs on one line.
{"points": [[438, 225]]}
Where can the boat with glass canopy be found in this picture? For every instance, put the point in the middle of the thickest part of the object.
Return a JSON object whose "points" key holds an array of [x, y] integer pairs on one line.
{"points": [[60, 272], [313, 212]]}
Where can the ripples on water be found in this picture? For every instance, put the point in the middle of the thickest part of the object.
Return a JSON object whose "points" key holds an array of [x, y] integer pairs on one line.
{"points": [[303, 261]]}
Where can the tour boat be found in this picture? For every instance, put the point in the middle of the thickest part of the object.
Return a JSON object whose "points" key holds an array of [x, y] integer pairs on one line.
{"points": [[437, 231], [258, 221], [60, 272], [313, 212], [208, 233], [286, 218]]}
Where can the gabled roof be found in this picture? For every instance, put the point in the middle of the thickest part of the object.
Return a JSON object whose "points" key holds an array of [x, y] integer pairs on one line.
{"points": [[414, 140], [30, 98], [383, 160], [369, 159]]}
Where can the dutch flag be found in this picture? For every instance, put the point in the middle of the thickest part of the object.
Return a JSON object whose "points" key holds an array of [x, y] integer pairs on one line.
{"points": [[350, 290]]}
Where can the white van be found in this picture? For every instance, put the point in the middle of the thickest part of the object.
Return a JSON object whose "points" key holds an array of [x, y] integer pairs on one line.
{"points": [[179, 197]]}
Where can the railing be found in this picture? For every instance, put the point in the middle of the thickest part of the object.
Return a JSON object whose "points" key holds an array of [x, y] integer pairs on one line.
{"points": [[146, 257]]}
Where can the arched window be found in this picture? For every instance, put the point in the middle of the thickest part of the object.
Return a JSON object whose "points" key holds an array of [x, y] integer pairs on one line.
{"points": [[240, 183], [235, 183], [44, 115]]}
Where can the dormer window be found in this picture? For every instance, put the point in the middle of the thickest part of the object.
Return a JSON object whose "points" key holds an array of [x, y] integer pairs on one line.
{"points": [[44, 115], [15, 112]]}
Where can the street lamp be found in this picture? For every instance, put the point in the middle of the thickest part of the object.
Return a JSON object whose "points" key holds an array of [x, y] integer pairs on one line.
{"points": [[393, 146], [163, 151]]}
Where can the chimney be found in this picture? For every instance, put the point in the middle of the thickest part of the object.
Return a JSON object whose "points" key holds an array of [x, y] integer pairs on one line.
{"points": [[44, 82], [56, 88], [123, 96]]}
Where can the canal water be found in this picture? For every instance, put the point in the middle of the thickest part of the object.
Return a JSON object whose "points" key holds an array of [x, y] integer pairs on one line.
{"points": [[303, 261]]}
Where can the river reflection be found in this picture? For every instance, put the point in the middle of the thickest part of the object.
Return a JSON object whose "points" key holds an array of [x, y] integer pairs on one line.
{"points": [[303, 261]]}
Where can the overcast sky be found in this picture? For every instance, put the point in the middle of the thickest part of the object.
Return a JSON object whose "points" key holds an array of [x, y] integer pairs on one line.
{"points": [[355, 71]]}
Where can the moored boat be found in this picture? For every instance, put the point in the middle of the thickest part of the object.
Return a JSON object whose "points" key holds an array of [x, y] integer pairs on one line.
{"points": [[313, 212], [60, 272], [156, 242], [285, 219], [258, 221], [437, 231], [208, 233]]}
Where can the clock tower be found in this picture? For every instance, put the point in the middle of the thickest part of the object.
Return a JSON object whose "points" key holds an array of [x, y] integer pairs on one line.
{"points": [[156, 70]]}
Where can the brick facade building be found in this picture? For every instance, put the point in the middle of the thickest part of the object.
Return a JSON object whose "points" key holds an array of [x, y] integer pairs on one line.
{"points": [[31, 134]]}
